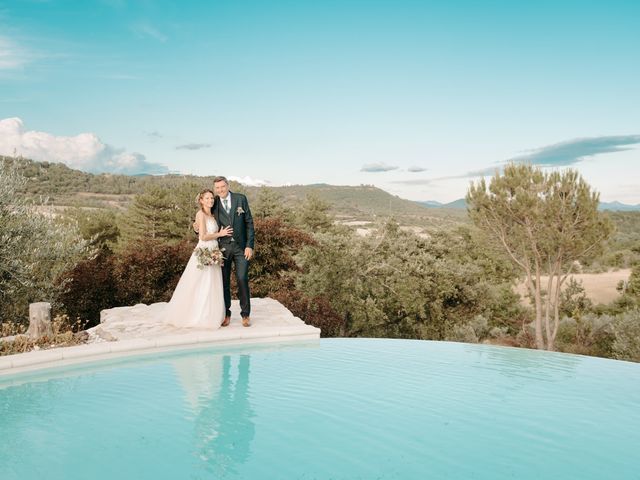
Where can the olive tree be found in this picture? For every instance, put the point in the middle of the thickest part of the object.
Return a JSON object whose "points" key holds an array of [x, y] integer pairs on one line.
{"points": [[35, 248]]}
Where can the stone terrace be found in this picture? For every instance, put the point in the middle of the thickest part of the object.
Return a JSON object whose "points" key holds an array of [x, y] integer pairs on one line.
{"points": [[129, 331]]}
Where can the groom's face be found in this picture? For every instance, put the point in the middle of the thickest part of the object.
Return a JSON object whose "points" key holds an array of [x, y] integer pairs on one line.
{"points": [[221, 188]]}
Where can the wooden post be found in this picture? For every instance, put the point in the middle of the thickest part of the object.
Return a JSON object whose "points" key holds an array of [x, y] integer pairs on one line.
{"points": [[39, 320]]}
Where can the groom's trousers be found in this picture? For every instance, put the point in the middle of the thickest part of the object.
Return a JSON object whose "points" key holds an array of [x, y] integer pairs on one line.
{"points": [[234, 254]]}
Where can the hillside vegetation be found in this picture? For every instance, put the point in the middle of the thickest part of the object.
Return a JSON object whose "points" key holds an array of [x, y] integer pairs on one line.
{"points": [[64, 186], [425, 273]]}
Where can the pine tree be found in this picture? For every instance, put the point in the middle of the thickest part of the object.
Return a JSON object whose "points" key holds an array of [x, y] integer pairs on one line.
{"points": [[161, 213], [545, 222]]}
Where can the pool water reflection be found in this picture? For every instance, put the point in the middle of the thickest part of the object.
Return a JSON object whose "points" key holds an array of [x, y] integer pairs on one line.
{"points": [[343, 408]]}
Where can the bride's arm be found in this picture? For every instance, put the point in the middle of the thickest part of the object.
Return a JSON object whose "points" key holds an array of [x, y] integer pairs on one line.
{"points": [[202, 229]]}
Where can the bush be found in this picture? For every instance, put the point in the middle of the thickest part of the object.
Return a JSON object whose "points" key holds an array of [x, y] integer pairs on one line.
{"points": [[472, 332], [90, 287], [147, 271], [626, 331], [589, 334], [315, 311], [276, 245]]}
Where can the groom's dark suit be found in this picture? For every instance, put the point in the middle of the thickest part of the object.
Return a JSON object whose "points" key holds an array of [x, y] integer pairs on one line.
{"points": [[239, 218]]}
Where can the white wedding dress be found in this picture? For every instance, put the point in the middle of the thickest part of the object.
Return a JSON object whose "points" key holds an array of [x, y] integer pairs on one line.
{"points": [[198, 300]]}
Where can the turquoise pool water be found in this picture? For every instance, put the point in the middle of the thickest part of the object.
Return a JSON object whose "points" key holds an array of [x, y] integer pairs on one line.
{"points": [[339, 409]]}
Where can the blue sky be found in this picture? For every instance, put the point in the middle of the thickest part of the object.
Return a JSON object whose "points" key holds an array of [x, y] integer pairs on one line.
{"points": [[416, 97]]}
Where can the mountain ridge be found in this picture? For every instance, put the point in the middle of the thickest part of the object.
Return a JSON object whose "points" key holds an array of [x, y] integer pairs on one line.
{"points": [[65, 187], [613, 206]]}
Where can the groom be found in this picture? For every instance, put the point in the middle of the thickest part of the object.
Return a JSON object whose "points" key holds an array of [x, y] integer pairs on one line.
{"points": [[232, 209]]}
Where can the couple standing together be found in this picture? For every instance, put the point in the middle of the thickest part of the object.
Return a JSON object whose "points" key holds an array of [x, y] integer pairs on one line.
{"points": [[202, 298]]}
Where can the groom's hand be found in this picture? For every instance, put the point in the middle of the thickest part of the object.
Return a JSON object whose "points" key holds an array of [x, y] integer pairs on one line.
{"points": [[248, 253], [195, 227]]}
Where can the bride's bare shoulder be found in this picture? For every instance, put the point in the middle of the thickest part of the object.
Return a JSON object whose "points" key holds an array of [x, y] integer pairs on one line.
{"points": [[199, 214]]}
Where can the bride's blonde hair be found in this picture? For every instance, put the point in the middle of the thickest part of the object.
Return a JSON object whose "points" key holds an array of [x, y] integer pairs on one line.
{"points": [[200, 195]]}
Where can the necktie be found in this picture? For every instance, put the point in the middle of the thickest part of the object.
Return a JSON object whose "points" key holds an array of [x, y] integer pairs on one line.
{"points": [[226, 205]]}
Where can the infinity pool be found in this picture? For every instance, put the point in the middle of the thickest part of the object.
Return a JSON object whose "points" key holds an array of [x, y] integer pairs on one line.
{"points": [[337, 409]]}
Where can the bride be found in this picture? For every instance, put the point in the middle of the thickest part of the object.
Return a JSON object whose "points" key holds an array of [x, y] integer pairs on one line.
{"points": [[198, 300]]}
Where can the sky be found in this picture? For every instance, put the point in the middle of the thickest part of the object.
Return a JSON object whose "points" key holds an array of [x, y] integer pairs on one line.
{"points": [[417, 97]]}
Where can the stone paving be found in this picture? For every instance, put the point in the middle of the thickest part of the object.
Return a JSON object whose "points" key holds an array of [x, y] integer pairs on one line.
{"points": [[137, 330]]}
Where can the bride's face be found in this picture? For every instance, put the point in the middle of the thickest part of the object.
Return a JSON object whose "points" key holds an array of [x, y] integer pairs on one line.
{"points": [[207, 200]]}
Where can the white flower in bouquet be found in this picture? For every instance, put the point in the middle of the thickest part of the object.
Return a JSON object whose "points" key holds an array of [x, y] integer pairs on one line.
{"points": [[208, 256]]}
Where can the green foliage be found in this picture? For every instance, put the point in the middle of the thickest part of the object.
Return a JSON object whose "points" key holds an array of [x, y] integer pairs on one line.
{"points": [[396, 284], [91, 286], [99, 227], [271, 204], [574, 301], [623, 250], [453, 284], [630, 298], [472, 332], [633, 286], [316, 311], [588, 334], [35, 249], [626, 345], [147, 271], [313, 215], [274, 263], [545, 223], [161, 213], [274, 266], [68, 187]]}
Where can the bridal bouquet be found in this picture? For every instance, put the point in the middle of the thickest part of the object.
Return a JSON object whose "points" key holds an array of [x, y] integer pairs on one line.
{"points": [[208, 256]]}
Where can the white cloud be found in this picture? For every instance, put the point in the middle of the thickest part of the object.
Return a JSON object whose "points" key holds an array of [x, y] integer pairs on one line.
{"points": [[250, 182], [377, 167], [83, 152], [12, 56], [193, 146], [146, 30]]}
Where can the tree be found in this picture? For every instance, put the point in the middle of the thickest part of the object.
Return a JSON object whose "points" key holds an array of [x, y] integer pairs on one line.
{"points": [[99, 227], [545, 222], [35, 249], [313, 214], [162, 213], [270, 204]]}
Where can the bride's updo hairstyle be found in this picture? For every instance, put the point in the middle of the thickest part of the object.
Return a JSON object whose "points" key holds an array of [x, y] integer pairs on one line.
{"points": [[200, 195]]}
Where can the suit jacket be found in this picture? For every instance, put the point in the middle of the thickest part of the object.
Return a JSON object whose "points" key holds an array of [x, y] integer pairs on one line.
{"points": [[239, 218]]}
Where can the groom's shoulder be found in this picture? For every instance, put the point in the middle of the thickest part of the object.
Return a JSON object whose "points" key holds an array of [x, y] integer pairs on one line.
{"points": [[240, 196]]}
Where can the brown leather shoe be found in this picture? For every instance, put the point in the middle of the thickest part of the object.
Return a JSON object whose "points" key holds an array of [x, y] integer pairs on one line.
{"points": [[246, 322], [226, 322]]}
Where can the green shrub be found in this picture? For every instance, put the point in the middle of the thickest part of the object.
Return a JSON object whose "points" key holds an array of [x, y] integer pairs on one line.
{"points": [[626, 331]]}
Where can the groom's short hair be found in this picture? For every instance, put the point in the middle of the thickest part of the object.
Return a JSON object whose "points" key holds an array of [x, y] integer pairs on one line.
{"points": [[221, 179]]}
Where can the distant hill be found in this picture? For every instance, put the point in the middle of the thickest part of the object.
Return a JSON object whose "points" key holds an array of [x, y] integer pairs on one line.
{"points": [[68, 187], [367, 201], [604, 206], [618, 207], [459, 204]]}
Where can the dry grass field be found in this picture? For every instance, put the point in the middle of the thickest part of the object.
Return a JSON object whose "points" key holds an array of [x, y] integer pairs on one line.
{"points": [[599, 287]]}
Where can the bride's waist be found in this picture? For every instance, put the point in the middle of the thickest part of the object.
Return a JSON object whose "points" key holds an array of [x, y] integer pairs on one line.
{"points": [[207, 243]]}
